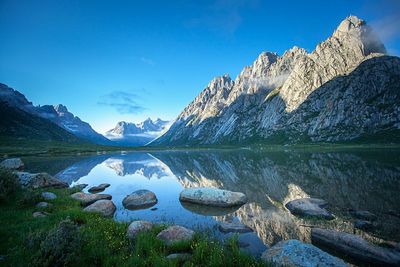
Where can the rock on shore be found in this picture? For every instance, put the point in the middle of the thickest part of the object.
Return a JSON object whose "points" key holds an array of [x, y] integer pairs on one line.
{"points": [[12, 164], [87, 199], [213, 197], [104, 207]]}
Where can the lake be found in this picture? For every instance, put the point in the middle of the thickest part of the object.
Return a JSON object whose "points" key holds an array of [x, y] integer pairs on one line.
{"points": [[349, 180]]}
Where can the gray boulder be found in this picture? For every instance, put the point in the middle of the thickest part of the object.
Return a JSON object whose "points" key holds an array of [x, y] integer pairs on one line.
{"points": [[140, 199], [39, 180], [175, 234], [296, 253], [87, 199], [313, 207], [138, 226], [99, 188], [12, 164], [105, 208], [233, 227], [355, 247], [48, 196], [212, 197]]}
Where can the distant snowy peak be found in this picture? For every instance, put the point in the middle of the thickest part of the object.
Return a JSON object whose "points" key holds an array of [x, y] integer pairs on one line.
{"points": [[147, 126]]}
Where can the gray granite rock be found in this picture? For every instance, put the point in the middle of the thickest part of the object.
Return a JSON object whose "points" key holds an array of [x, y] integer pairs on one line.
{"points": [[313, 207], [98, 188], [105, 208], [355, 247], [295, 253], [87, 199], [140, 199], [138, 226], [175, 234], [212, 197], [48, 195], [39, 180]]}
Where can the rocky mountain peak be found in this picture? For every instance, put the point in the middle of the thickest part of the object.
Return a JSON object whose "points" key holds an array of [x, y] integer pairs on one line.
{"points": [[361, 34], [59, 108]]}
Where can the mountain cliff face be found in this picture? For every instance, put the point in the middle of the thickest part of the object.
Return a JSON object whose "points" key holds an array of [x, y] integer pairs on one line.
{"points": [[137, 134], [344, 90], [57, 114]]}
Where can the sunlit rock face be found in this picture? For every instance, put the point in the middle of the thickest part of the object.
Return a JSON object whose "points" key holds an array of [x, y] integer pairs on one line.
{"points": [[345, 89]]}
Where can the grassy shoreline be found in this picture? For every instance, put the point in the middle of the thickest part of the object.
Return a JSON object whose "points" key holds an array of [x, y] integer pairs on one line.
{"points": [[70, 237]]}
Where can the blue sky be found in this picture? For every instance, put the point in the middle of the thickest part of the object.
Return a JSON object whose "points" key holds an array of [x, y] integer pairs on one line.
{"points": [[127, 60]]}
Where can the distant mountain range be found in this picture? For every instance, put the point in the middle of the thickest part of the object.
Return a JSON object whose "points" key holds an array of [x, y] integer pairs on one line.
{"points": [[21, 118], [125, 133], [347, 89]]}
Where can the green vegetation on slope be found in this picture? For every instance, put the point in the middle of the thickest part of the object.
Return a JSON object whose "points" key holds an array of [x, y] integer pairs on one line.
{"points": [[70, 237], [18, 123]]}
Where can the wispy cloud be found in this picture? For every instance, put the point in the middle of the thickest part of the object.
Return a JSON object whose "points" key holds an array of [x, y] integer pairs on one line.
{"points": [[147, 61], [223, 16], [123, 102]]}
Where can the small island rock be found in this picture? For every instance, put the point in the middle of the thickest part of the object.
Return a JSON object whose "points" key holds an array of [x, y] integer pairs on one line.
{"points": [[140, 199], [212, 197]]}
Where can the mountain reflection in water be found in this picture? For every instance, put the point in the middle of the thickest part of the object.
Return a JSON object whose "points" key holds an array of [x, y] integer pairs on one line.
{"points": [[352, 180]]}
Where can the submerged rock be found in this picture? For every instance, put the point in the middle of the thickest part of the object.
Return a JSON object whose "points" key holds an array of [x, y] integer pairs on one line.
{"points": [[212, 197], [138, 226], [363, 215], [87, 199], [296, 253], [175, 234], [39, 180], [105, 208], [12, 164], [234, 227], [48, 196], [355, 247], [99, 188], [140, 199], [309, 207]]}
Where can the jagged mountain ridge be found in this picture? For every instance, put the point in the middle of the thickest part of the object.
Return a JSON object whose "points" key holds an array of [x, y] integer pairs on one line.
{"points": [[57, 114], [266, 98]]}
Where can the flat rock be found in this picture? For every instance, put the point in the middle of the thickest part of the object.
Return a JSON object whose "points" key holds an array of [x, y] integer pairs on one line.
{"points": [[39, 180], [140, 199], [363, 225], [43, 205], [12, 164], [212, 197], [175, 234], [355, 247], [296, 253], [39, 214], [138, 226], [87, 199], [48, 196], [180, 257], [313, 207], [99, 188], [233, 227], [363, 215], [105, 208]]}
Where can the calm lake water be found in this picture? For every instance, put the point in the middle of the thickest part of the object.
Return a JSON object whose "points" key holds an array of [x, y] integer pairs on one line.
{"points": [[359, 180]]}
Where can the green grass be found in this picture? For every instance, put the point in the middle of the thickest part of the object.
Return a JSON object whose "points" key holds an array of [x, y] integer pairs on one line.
{"points": [[91, 240]]}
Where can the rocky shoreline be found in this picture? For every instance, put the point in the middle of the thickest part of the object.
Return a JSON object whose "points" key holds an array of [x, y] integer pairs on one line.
{"points": [[289, 252]]}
